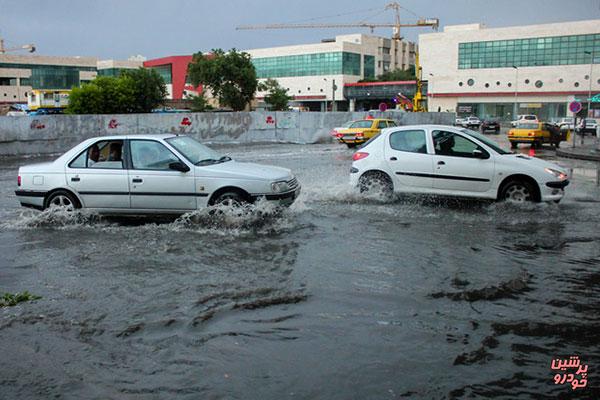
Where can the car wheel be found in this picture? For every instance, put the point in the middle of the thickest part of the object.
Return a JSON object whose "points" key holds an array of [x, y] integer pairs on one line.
{"points": [[376, 183], [497, 131], [351, 145], [62, 199], [233, 199], [513, 145], [518, 192]]}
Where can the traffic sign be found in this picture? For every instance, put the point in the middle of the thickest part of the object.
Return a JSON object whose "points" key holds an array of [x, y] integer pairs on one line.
{"points": [[575, 107]]}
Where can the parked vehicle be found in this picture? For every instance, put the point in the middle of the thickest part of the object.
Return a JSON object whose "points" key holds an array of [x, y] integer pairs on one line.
{"points": [[566, 122], [449, 161], [490, 125], [362, 130], [587, 125], [536, 134], [525, 118], [149, 174], [471, 122], [458, 121]]}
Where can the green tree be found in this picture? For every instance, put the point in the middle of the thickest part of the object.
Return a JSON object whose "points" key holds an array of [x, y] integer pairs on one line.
{"points": [[134, 91], [200, 103], [277, 96], [146, 88], [230, 76]]}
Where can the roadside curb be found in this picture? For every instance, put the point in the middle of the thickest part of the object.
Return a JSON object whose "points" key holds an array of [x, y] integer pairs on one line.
{"points": [[589, 156]]}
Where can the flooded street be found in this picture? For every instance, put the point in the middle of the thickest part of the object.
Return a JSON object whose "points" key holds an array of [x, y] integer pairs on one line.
{"points": [[338, 297]]}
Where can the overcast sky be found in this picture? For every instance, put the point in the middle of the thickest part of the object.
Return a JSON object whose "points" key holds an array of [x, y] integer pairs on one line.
{"points": [[121, 28]]}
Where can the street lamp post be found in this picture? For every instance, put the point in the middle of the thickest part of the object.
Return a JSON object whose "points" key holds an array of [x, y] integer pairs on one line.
{"points": [[333, 89], [589, 101], [516, 91], [429, 90]]}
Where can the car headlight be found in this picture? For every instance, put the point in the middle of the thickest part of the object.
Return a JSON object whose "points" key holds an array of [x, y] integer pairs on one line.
{"points": [[280, 187], [560, 175]]}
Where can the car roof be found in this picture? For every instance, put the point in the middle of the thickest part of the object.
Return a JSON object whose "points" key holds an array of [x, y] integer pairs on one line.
{"points": [[136, 136]]}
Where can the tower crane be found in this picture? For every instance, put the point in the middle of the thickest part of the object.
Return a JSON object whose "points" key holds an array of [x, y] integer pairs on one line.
{"points": [[395, 6], [28, 47], [432, 22]]}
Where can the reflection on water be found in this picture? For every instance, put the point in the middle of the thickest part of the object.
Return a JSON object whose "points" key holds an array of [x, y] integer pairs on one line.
{"points": [[337, 297]]}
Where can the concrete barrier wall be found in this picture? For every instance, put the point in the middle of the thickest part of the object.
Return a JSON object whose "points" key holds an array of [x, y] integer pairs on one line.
{"points": [[25, 135]]}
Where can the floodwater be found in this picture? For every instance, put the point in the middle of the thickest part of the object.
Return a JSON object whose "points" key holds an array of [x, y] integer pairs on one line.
{"points": [[338, 297]]}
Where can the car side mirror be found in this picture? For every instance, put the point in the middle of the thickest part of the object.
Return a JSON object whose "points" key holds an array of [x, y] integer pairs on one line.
{"points": [[179, 166], [480, 154]]}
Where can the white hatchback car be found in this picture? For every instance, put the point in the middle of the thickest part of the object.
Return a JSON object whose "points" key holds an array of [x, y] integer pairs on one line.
{"points": [[149, 174], [451, 161]]}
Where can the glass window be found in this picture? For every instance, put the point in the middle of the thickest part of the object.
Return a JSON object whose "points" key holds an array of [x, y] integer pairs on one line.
{"points": [[454, 145], [369, 68], [409, 141], [194, 151], [392, 123], [362, 124], [557, 50], [102, 154], [381, 125], [152, 155]]}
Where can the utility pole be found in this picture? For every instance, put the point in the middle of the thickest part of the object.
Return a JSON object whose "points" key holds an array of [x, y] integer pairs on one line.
{"points": [[515, 110]]}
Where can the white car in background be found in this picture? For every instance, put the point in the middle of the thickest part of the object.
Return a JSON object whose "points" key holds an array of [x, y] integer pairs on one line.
{"points": [[149, 174], [525, 118], [451, 161]]}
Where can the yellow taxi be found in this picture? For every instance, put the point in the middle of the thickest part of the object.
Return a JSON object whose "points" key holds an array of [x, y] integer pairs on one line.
{"points": [[358, 132], [536, 134]]}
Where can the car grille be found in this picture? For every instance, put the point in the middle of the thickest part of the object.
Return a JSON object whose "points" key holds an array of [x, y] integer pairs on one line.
{"points": [[293, 184]]}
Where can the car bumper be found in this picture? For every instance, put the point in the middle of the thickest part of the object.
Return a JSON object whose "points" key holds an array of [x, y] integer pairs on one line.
{"points": [[523, 139], [352, 140], [31, 198], [284, 199], [553, 191]]}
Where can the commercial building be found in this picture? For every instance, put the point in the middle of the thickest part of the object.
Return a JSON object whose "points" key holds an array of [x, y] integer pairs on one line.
{"points": [[173, 70], [316, 74], [20, 74], [491, 72]]}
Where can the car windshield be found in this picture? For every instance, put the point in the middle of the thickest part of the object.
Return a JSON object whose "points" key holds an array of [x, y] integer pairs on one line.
{"points": [[530, 117], [527, 126], [196, 152], [490, 143], [362, 124]]}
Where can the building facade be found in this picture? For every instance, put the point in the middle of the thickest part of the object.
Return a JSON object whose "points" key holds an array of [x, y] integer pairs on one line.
{"points": [[316, 74], [173, 70], [503, 72], [20, 74]]}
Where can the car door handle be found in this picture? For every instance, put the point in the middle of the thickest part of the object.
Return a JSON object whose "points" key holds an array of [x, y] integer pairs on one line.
{"points": [[393, 159], [441, 163], [137, 180], [75, 179]]}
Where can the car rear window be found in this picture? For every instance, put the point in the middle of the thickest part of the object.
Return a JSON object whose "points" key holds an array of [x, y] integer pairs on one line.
{"points": [[527, 126], [362, 124]]}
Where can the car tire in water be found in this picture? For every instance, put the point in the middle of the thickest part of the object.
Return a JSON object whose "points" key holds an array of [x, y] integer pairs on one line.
{"points": [[232, 198], [351, 145], [518, 191], [376, 182], [62, 199], [513, 145]]}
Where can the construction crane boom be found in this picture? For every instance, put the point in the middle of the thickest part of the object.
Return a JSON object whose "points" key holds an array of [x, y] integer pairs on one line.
{"points": [[432, 22]]}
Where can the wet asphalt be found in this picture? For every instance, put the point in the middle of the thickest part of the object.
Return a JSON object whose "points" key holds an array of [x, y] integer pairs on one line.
{"points": [[338, 297]]}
